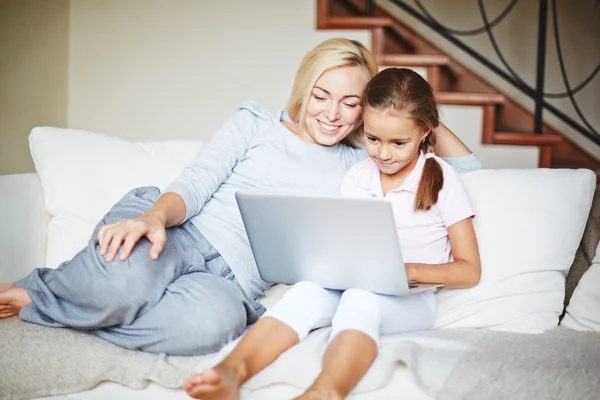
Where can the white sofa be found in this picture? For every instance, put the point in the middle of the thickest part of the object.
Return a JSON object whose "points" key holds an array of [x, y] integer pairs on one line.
{"points": [[529, 225]]}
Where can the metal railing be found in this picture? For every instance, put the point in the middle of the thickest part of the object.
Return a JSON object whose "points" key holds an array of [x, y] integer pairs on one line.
{"points": [[537, 93]]}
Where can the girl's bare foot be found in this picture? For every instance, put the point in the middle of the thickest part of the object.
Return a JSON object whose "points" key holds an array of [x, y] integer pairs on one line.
{"points": [[214, 383], [319, 393], [12, 300]]}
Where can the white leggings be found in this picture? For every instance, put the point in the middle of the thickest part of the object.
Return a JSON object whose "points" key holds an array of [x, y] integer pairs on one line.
{"points": [[307, 306]]}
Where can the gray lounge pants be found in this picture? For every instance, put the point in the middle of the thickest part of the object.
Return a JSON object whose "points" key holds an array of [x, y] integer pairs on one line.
{"points": [[187, 302]]}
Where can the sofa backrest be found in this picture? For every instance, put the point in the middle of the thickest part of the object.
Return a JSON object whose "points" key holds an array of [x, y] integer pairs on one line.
{"points": [[24, 224]]}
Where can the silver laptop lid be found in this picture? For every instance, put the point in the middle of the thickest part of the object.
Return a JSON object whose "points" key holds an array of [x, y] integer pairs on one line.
{"points": [[336, 242]]}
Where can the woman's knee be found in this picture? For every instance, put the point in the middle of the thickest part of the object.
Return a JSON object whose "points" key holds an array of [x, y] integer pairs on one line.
{"points": [[206, 331], [210, 334], [138, 280]]}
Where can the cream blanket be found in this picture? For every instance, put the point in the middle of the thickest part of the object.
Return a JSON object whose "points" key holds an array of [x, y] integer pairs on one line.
{"points": [[37, 361]]}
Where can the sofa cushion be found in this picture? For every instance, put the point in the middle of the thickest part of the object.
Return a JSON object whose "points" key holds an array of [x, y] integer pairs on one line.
{"points": [[529, 223], [84, 173]]}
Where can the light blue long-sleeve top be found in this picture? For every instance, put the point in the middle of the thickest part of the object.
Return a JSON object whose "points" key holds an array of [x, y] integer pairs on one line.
{"points": [[254, 152]]}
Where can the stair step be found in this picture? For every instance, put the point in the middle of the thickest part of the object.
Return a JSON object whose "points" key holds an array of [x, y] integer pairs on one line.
{"points": [[358, 22], [526, 139], [469, 98], [414, 60]]}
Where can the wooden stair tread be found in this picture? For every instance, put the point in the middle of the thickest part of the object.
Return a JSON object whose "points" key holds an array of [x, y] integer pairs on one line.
{"points": [[469, 98], [414, 60], [527, 139], [357, 22]]}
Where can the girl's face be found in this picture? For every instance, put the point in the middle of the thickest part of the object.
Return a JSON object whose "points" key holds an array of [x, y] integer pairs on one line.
{"points": [[333, 110], [392, 140]]}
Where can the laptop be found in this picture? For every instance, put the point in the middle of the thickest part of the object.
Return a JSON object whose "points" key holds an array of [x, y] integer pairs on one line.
{"points": [[334, 241]]}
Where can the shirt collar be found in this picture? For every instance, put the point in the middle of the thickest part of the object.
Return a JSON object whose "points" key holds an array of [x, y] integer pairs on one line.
{"points": [[284, 116], [372, 179]]}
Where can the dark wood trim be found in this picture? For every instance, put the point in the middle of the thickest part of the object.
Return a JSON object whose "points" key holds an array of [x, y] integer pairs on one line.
{"points": [[489, 124], [357, 22], [415, 60], [469, 99], [322, 13], [526, 139], [377, 42], [433, 77], [545, 157]]}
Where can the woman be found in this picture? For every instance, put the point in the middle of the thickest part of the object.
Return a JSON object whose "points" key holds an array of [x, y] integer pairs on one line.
{"points": [[174, 273]]}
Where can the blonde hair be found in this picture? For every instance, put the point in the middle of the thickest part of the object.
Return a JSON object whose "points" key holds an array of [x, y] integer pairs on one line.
{"points": [[333, 53]]}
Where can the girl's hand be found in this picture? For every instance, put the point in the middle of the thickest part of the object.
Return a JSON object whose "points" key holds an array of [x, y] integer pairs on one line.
{"points": [[411, 271], [127, 233], [464, 271]]}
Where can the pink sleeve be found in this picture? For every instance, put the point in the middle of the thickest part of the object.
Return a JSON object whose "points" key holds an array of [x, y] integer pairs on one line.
{"points": [[454, 203]]}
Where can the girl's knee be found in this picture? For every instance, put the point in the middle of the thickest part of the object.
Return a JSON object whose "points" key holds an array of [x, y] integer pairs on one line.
{"points": [[358, 299], [358, 310], [306, 306], [305, 289], [313, 298]]}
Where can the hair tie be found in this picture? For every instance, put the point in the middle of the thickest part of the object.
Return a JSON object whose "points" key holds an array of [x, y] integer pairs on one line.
{"points": [[429, 155]]}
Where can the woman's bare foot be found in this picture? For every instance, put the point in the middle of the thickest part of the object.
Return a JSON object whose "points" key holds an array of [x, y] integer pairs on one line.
{"points": [[319, 393], [220, 383], [12, 300]]}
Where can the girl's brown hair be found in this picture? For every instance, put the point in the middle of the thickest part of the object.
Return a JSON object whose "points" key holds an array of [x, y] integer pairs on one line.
{"points": [[404, 91]]}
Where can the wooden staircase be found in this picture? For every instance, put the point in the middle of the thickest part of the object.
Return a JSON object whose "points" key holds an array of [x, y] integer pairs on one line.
{"points": [[504, 121]]}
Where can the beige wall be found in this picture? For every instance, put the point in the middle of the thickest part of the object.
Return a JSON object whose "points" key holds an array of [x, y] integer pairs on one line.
{"points": [[33, 75], [154, 69], [579, 26]]}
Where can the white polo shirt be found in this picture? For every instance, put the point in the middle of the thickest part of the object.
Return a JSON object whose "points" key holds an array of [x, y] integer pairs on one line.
{"points": [[423, 235]]}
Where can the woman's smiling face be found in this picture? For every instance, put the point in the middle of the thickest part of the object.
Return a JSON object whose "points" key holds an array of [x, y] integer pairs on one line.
{"points": [[333, 110]]}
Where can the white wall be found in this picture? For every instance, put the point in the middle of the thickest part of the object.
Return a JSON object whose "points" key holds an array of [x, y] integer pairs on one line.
{"points": [[152, 69], [148, 69], [579, 25]]}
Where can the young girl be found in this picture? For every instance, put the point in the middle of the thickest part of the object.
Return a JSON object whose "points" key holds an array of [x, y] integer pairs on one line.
{"points": [[433, 216]]}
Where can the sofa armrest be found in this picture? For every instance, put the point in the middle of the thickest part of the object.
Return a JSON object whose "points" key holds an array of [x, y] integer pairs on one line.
{"points": [[23, 225]]}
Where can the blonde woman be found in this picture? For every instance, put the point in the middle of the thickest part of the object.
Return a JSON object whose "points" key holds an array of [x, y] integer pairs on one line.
{"points": [[173, 272]]}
